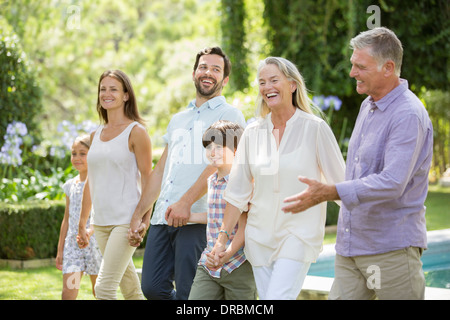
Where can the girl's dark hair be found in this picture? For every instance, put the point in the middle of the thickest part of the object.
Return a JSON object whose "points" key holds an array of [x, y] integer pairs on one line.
{"points": [[130, 109], [224, 133]]}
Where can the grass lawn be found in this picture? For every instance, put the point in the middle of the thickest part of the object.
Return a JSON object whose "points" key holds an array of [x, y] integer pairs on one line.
{"points": [[438, 208], [46, 283], [43, 284]]}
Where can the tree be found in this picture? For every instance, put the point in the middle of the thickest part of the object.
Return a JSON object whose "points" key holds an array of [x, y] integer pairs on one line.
{"points": [[424, 29], [234, 41], [20, 96], [72, 43], [315, 35]]}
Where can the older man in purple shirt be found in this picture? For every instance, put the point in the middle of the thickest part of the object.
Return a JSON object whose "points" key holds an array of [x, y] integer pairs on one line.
{"points": [[381, 227]]}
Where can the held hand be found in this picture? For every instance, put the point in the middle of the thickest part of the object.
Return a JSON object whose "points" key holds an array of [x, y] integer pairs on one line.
{"points": [[136, 235], [83, 237], [211, 262], [59, 262], [177, 214], [215, 257]]}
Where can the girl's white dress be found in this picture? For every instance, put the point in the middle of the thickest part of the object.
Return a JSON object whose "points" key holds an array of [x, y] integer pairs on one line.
{"points": [[74, 258]]}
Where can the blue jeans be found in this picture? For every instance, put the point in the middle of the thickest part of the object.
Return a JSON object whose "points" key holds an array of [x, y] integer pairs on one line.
{"points": [[171, 254]]}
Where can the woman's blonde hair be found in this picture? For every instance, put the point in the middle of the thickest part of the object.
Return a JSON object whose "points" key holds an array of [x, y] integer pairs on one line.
{"points": [[300, 97]]}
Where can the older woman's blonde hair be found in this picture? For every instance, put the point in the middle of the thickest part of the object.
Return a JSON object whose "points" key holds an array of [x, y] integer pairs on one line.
{"points": [[300, 97]]}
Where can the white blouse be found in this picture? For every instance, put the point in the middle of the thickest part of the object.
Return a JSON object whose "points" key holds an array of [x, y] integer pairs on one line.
{"points": [[262, 177]]}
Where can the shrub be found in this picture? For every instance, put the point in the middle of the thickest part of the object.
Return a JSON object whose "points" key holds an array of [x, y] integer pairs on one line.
{"points": [[20, 95], [332, 213], [34, 185], [30, 230]]}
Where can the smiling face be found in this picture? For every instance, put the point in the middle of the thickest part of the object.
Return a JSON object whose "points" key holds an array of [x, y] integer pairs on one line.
{"points": [[79, 156], [219, 155], [111, 94], [208, 76], [274, 87], [368, 74]]}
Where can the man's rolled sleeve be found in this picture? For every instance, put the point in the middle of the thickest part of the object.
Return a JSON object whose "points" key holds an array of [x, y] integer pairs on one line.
{"points": [[347, 193]]}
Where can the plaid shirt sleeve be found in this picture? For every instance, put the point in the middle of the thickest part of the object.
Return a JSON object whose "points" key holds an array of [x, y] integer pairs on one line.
{"points": [[216, 209]]}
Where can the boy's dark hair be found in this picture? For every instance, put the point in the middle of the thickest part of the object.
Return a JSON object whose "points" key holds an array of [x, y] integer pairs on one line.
{"points": [[224, 133], [218, 51]]}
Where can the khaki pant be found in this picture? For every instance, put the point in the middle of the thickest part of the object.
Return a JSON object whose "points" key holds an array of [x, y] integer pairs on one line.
{"points": [[117, 266], [237, 285], [395, 275]]}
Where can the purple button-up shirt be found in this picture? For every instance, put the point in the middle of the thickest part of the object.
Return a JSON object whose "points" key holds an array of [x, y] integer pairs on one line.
{"points": [[386, 179]]}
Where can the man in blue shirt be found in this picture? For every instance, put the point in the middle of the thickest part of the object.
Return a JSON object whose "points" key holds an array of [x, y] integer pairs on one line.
{"points": [[180, 179], [381, 228]]}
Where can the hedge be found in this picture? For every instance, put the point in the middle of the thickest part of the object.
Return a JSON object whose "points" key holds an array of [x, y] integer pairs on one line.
{"points": [[332, 213], [30, 230]]}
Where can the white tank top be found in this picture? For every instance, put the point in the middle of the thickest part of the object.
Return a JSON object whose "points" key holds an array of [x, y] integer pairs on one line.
{"points": [[114, 179]]}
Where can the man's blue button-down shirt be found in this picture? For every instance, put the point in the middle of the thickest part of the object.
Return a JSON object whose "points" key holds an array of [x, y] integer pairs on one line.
{"points": [[388, 162], [186, 158]]}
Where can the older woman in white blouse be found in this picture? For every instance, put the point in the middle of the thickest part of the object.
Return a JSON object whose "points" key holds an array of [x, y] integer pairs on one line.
{"points": [[286, 142]]}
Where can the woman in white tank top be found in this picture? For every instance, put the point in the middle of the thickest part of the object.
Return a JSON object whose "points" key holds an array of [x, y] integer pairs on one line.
{"points": [[119, 164]]}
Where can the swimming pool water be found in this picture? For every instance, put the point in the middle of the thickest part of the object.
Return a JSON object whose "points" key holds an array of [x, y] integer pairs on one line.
{"points": [[436, 260]]}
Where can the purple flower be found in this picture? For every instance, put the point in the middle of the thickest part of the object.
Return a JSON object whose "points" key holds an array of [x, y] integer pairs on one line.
{"points": [[326, 102], [87, 126], [16, 128], [10, 153], [68, 132], [319, 101], [335, 102], [58, 152]]}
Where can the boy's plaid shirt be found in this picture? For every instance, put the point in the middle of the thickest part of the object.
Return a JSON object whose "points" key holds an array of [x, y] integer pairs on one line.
{"points": [[216, 209]]}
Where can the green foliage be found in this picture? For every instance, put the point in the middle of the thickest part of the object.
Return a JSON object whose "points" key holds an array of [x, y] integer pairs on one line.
{"points": [[30, 230], [332, 213], [154, 42], [34, 185], [20, 96], [424, 29], [70, 43], [316, 34], [234, 41], [437, 204], [437, 104]]}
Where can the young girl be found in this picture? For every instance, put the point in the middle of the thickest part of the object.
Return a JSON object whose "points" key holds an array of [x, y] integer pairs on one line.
{"points": [[70, 258]]}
